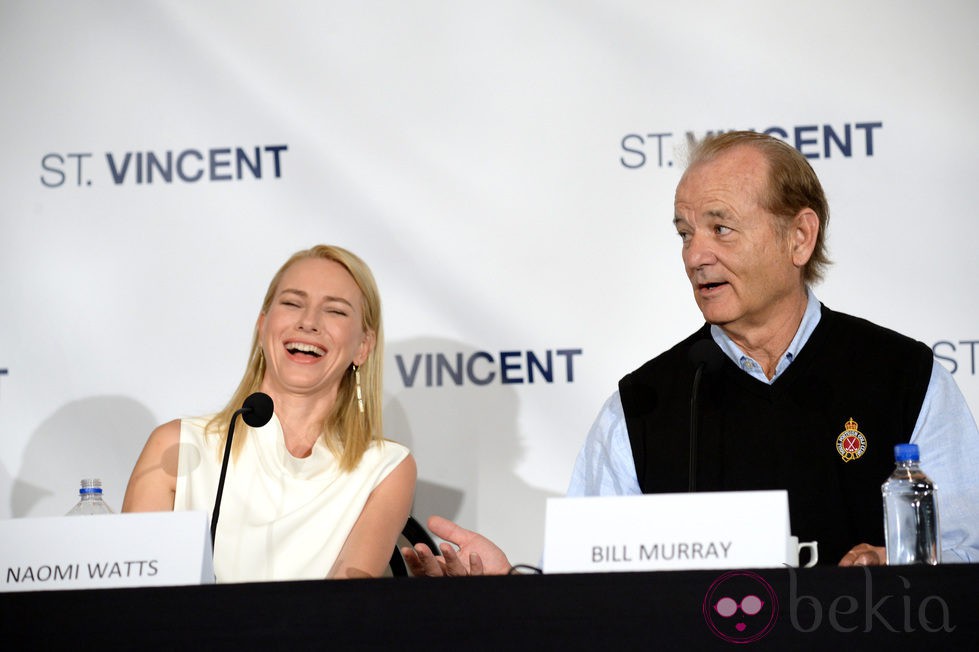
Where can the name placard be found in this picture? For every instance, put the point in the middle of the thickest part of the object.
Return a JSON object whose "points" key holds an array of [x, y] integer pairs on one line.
{"points": [[105, 551], [731, 529]]}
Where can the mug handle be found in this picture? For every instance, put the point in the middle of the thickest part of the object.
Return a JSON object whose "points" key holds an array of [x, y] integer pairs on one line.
{"points": [[813, 552]]}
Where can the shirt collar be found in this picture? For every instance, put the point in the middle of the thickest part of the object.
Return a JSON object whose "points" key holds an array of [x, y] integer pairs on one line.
{"points": [[809, 321]]}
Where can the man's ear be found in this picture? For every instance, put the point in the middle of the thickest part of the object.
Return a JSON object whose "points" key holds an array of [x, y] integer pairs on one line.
{"points": [[802, 236]]}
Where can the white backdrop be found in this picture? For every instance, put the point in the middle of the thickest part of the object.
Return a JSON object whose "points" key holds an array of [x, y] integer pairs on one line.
{"points": [[498, 166]]}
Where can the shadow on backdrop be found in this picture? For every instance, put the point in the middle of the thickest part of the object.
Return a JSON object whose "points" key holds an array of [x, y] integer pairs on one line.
{"points": [[97, 437], [467, 442], [5, 481]]}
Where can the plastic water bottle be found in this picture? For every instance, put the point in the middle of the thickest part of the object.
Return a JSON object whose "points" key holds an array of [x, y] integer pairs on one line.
{"points": [[910, 512], [90, 499]]}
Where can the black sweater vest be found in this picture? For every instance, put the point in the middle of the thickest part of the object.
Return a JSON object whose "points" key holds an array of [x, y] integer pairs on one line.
{"points": [[784, 435]]}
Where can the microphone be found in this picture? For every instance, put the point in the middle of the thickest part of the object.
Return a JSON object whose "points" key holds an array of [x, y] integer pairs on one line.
{"points": [[707, 356], [255, 411]]}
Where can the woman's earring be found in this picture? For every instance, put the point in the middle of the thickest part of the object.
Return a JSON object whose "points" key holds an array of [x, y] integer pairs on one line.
{"points": [[360, 395]]}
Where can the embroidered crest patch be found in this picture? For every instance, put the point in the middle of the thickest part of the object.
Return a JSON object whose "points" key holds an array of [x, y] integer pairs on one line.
{"points": [[851, 444]]}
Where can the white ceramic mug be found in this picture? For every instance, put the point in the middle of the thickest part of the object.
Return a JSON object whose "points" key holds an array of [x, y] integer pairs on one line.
{"points": [[795, 547]]}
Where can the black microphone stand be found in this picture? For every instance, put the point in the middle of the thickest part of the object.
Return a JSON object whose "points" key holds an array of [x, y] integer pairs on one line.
{"points": [[694, 427], [224, 472], [257, 409]]}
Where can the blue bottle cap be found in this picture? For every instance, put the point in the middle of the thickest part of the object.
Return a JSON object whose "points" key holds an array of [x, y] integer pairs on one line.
{"points": [[906, 453]]}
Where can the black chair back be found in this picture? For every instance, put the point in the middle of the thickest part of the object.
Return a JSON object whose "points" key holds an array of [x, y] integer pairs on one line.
{"points": [[414, 533]]}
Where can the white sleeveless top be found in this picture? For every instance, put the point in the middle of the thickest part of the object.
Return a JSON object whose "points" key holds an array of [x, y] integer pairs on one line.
{"points": [[281, 518]]}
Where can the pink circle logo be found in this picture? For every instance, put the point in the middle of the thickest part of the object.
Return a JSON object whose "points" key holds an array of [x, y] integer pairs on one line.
{"points": [[740, 607]]}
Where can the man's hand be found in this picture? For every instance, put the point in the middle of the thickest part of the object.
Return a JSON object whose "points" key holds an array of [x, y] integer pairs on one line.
{"points": [[476, 555], [865, 555]]}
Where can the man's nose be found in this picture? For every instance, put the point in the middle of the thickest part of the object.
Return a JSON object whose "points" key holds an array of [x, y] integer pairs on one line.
{"points": [[698, 251]]}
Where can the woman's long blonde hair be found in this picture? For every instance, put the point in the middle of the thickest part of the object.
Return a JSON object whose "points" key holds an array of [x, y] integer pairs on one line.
{"points": [[346, 431]]}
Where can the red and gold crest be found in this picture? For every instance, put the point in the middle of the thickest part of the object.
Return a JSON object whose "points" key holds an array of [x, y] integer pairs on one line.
{"points": [[851, 444]]}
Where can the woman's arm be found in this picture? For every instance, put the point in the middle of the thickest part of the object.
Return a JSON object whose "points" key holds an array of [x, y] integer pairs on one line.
{"points": [[154, 479], [368, 548]]}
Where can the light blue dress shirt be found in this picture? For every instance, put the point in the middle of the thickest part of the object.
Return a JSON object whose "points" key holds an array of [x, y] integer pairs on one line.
{"points": [[945, 433]]}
